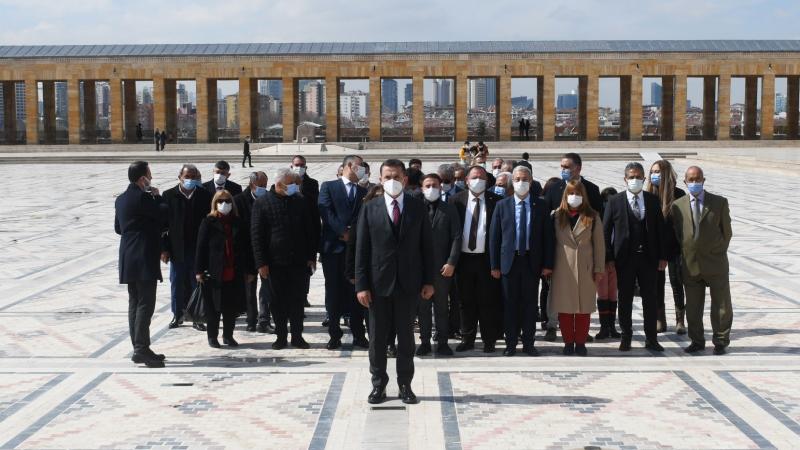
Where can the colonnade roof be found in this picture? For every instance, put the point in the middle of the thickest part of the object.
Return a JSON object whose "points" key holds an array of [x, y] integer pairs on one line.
{"points": [[398, 48]]}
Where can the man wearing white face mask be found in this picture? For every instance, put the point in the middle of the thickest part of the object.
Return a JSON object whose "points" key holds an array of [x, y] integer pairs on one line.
{"points": [[221, 180], [636, 246], [309, 186], [477, 290]]}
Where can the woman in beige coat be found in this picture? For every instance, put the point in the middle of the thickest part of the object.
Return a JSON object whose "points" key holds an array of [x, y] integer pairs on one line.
{"points": [[579, 263]]}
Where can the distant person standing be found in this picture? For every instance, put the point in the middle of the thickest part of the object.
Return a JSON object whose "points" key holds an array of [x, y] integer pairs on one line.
{"points": [[139, 132], [521, 127], [527, 129], [163, 139], [138, 216], [157, 139], [246, 152]]}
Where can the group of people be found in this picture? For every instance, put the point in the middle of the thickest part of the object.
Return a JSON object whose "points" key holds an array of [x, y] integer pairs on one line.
{"points": [[461, 252], [160, 138]]}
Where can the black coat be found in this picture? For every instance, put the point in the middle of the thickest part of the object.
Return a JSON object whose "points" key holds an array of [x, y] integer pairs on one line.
{"points": [[673, 246], [553, 195], [447, 231], [386, 262], [244, 207], [210, 257], [184, 214], [310, 188], [460, 202], [282, 231], [234, 188], [617, 223], [138, 220], [246, 148]]}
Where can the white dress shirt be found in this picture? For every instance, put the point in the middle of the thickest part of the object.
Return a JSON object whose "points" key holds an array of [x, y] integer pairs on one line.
{"points": [[389, 207], [347, 186], [480, 242], [640, 201]]}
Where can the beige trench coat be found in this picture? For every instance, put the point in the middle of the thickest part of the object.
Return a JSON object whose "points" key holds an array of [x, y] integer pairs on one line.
{"points": [[579, 254]]}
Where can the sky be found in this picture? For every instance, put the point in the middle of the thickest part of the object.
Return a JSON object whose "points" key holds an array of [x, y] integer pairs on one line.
{"points": [[29, 22]]}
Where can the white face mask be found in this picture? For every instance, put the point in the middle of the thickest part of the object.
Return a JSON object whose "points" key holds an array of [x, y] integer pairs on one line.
{"points": [[495, 172], [521, 187], [635, 185], [574, 200], [431, 194], [392, 187], [364, 180], [299, 170], [224, 208], [477, 185], [219, 179], [360, 171]]}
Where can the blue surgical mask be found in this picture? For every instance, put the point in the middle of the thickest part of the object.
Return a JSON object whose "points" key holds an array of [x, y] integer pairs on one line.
{"points": [[500, 190], [566, 174], [695, 188], [190, 184], [655, 179], [460, 184], [260, 191], [292, 189]]}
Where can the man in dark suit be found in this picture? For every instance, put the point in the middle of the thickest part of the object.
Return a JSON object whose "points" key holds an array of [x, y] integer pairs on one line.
{"points": [[521, 248], [449, 189], [446, 173], [246, 155], [281, 232], [258, 316], [636, 245], [139, 213], [524, 161], [393, 269], [477, 290], [222, 171], [339, 203], [310, 186], [188, 205], [446, 249], [571, 165]]}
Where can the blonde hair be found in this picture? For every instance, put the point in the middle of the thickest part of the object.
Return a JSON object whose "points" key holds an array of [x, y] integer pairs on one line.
{"points": [[222, 195], [666, 187], [585, 210]]}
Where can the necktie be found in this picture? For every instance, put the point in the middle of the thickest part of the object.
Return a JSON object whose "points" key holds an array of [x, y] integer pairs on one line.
{"points": [[636, 210], [351, 194], [522, 245], [431, 210], [395, 213], [473, 228], [696, 213]]}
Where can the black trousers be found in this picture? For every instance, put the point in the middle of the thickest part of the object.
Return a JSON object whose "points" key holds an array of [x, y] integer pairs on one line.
{"points": [[141, 304], [257, 302], [398, 310], [340, 297], [287, 305], [477, 292], [637, 269], [437, 303], [227, 310], [520, 292], [543, 293], [247, 158], [675, 281]]}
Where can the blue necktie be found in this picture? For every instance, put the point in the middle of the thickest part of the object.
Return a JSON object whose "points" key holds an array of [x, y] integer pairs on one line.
{"points": [[522, 244], [351, 195]]}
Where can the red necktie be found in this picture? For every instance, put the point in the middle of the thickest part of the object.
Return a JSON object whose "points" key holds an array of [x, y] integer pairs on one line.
{"points": [[395, 213]]}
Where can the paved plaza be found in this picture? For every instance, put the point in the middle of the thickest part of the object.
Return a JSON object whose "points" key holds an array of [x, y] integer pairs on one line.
{"points": [[66, 380]]}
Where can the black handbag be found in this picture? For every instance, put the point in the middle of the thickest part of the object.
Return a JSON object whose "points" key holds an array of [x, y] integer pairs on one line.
{"points": [[196, 309]]}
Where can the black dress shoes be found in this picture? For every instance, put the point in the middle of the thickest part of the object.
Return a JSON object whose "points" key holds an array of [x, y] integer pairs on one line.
{"points": [[465, 346], [326, 321], [694, 347], [251, 328], [265, 327], [488, 347], [530, 351], [407, 395], [580, 350], [333, 344], [569, 349], [198, 326], [155, 355], [213, 343], [230, 341], [625, 344], [653, 345], [444, 350], [424, 349], [361, 342], [378, 395], [550, 335], [719, 349], [148, 361], [280, 343], [299, 342], [509, 351], [176, 322]]}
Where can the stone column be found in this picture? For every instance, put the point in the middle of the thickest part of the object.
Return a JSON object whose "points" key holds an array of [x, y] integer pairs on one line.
{"points": [[289, 108], [245, 100], [723, 106], [679, 112], [159, 105], [792, 106], [504, 108], [709, 107], [582, 96], [547, 111], [115, 94], [31, 112], [592, 112], [49, 111], [418, 109], [212, 114], [625, 108], [332, 109], [750, 107], [201, 97], [374, 113], [73, 111], [636, 107], [89, 111], [460, 107], [667, 108], [131, 116], [10, 111], [767, 105], [171, 108]]}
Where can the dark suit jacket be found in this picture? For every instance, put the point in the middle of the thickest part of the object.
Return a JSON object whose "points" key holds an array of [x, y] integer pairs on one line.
{"points": [[386, 263], [138, 220], [281, 231], [460, 202], [503, 236], [175, 240], [234, 188], [448, 196], [244, 206], [553, 195], [310, 188], [617, 224], [336, 215], [447, 229]]}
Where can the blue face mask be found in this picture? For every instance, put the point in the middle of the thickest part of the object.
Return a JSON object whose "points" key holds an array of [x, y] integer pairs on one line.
{"points": [[292, 189], [260, 191], [655, 179], [190, 184], [566, 174], [500, 190], [695, 188]]}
